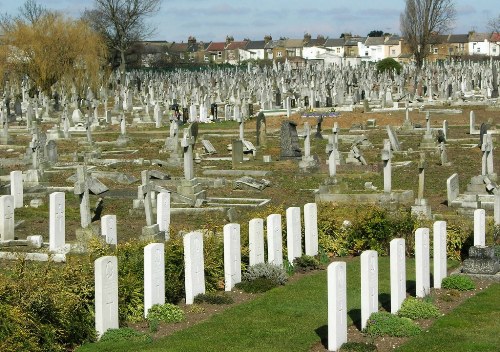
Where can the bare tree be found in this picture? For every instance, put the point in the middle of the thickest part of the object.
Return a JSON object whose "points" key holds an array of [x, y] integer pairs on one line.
{"points": [[494, 24], [121, 23], [423, 19], [30, 12]]}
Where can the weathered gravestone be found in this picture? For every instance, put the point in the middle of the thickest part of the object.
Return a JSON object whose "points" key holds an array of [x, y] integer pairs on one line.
{"points": [[290, 148]]}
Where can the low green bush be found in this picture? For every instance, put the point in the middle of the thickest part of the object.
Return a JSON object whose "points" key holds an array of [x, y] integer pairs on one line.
{"points": [[458, 282], [414, 308], [387, 324], [258, 285], [357, 347], [388, 64], [167, 313], [213, 298], [305, 263], [124, 334], [276, 274]]}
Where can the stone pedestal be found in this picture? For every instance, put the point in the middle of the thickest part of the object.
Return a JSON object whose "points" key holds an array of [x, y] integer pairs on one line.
{"points": [[309, 163], [153, 233], [191, 189], [482, 260], [421, 209], [428, 142]]}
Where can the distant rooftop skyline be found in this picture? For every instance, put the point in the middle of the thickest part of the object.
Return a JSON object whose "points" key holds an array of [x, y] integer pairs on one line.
{"points": [[212, 20]]}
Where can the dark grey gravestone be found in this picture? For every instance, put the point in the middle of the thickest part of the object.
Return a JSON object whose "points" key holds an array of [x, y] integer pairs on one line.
{"points": [[440, 137], [482, 131], [237, 152], [250, 109], [290, 148], [318, 134], [306, 101], [328, 102], [17, 107], [51, 151], [482, 260], [278, 99]]}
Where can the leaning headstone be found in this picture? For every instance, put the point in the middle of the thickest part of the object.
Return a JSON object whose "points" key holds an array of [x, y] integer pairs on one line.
{"points": [[6, 218], [16, 188], [369, 285], [256, 241], [108, 229], [337, 305], [274, 240], [311, 229], [194, 266], [422, 277], [57, 221], [393, 139], [479, 227], [106, 294], [293, 233], [398, 273], [439, 252], [289, 140], [232, 256], [154, 275]]}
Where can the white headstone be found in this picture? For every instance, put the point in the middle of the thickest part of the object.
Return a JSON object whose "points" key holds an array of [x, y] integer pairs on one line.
{"points": [[472, 122], [439, 252], [337, 305], [369, 285], [274, 240], [311, 228], [163, 212], [256, 241], [154, 275], [16, 188], [232, 256], [6, 218], [108, 229], [422, 268], [57, 221], [452, 188], [479, 227], [398, 273], [293, 233], [194, 265], [106, 294]]}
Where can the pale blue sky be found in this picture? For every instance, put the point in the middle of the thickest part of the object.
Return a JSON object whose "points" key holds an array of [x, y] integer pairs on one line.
{"points": [[212, 20]]}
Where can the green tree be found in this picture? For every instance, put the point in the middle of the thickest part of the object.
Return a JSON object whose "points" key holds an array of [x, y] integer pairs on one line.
{"points": [[388, 64], [375, 33]]}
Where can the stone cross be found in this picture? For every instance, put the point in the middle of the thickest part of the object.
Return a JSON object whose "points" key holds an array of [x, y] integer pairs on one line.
{"points": [[144, 192], [187, 142], [82, 189], [386, 158], [421, 176], [487, 159], [307, 140]]}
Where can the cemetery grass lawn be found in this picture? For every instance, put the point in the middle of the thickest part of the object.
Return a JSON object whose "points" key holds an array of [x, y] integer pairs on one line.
{"points": [[473, 326], [288, 318]]}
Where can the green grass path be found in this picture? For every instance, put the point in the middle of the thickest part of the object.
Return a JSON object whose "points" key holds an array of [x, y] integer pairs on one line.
{"points": [[288, 318], [474, 326]]}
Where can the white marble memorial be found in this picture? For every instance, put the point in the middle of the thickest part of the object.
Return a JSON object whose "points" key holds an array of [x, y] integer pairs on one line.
{"points": [[16, 188], [479, 227], [337, 305], [256, 241], [274, 240], [439, 252], [232, 256], [293, 233], [154, 275], [311, 229], [6, 218], [108, 229], [422, 268], [57, 221], [369, 285], [106, 294], [398, 273], [163, 212], [194, 265]]}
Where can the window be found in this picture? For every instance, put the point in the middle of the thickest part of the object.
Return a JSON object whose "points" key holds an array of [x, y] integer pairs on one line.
{"points": [[366, 53], [478, 49], [181, 55], [450, 50], [393, 52], [219, 54], [279, 54], [494, 49], [338, 50], [205, 58], [435, 51]]}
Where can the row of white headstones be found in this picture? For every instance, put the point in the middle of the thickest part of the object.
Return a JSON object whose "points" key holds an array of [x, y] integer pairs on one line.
{"points": [[106, 268]]}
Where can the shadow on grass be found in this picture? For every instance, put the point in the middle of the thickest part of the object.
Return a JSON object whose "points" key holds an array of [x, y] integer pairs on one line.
{"points": [[385, 301], [322, 332], [411, 287], [355, 315]]}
